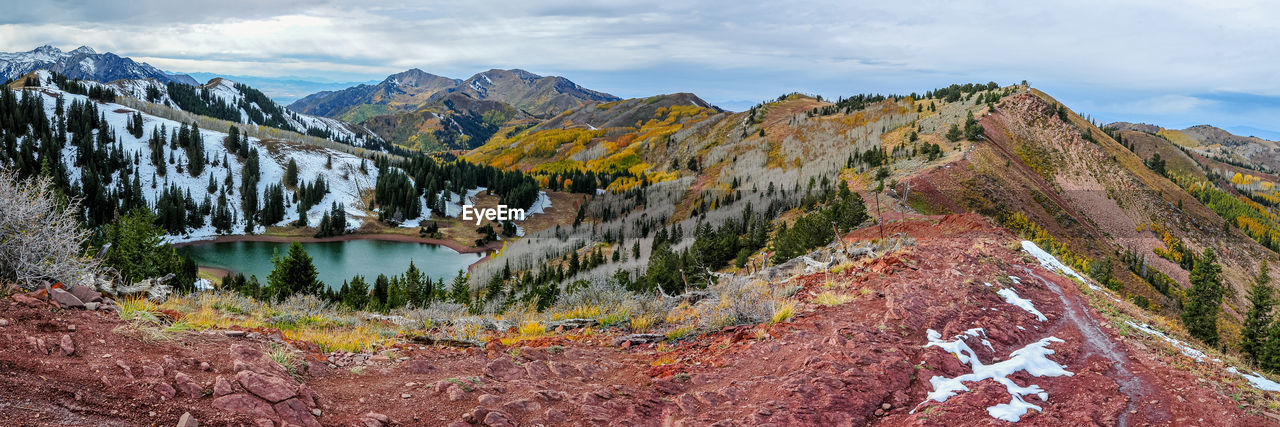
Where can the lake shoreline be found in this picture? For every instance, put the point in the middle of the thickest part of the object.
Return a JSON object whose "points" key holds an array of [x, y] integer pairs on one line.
{"points": [[388, 237], [487, 250]]}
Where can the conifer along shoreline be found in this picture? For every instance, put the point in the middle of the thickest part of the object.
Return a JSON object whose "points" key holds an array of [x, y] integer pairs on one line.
{"points": [[388, 237]]}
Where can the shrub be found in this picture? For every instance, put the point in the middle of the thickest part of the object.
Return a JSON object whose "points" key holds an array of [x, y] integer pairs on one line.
{"points": [[40, 238]]}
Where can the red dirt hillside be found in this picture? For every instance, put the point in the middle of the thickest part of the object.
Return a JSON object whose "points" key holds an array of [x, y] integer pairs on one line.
{"points": [[868, 358]]}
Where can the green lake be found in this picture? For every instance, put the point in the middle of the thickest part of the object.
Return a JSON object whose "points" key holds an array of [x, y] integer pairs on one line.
{"points": [[335, 261]]}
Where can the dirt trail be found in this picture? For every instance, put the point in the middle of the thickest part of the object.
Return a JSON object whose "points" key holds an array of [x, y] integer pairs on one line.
{"points": [[1097, 341]]}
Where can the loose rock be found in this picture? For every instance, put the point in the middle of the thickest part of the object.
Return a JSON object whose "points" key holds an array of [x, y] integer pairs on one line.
{"points": [[68, 347], [222, 387], [86, 295], [188, 386], [65, 299], [188, 420]]}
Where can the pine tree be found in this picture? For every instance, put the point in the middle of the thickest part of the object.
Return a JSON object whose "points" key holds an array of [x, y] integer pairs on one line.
{"points": [[291, 174], [381, 293], [357, 296], [138, 250], [295, 273], [1253, 333], [1200, 315]]}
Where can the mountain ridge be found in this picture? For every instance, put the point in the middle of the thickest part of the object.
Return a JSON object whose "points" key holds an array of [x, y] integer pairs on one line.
{"points": [[83, 63]]}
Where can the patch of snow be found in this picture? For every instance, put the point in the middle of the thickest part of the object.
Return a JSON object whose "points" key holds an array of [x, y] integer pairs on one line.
{"points": [[1181, 346], [988, 284], [1051, 262], [1031, 359], [1015, 280], [1013, 299], [540, 205], [1259, 381]]}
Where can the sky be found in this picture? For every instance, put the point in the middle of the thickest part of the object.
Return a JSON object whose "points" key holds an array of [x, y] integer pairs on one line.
{"points": [[1170, 62]]}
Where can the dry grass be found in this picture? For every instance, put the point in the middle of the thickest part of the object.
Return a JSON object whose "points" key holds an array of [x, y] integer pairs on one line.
{"points": [[832, 299], [361, 338], [138, 308], [783, 313]]}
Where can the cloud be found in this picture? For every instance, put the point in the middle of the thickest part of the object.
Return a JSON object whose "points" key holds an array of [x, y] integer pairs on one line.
{"points": [[737, 50]]}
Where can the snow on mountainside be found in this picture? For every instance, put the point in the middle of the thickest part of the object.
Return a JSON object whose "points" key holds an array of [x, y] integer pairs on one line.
{"points": [[345, 179], [231, 93], [256, 110], [349, 177], [83, 63]]}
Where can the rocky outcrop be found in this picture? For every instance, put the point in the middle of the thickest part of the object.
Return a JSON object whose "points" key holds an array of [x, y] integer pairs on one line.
{"points": [[263, 389]]}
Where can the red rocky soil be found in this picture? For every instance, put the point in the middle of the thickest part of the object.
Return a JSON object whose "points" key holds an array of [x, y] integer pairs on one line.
{"points": [[862, 362]]}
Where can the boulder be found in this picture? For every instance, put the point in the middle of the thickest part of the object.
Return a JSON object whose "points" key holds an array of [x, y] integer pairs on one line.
{"points": [[164, 389], [84, 294], [188, 386], [27, 301], [374, 419], [294, 412], [537, 369], [564, 370], [555, 416], [497, 419], [92, 306], [522, 406], [65, 299], [455, 393], [503, 369], [318, 369], [307, 396], [222, 387], [152, 369], [272, 389], [244, 403]]}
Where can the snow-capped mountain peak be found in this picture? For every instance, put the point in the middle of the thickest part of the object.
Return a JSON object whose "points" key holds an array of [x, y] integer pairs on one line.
{"points": [[82, 63]]}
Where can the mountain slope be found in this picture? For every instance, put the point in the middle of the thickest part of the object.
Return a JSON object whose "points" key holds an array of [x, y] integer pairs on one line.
{"points": [[346, 179], [221, 99], [83, 63], [424, 111], [537, 95], [1248, 151], [400, 92], [456, 122], [1094, 199]]}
